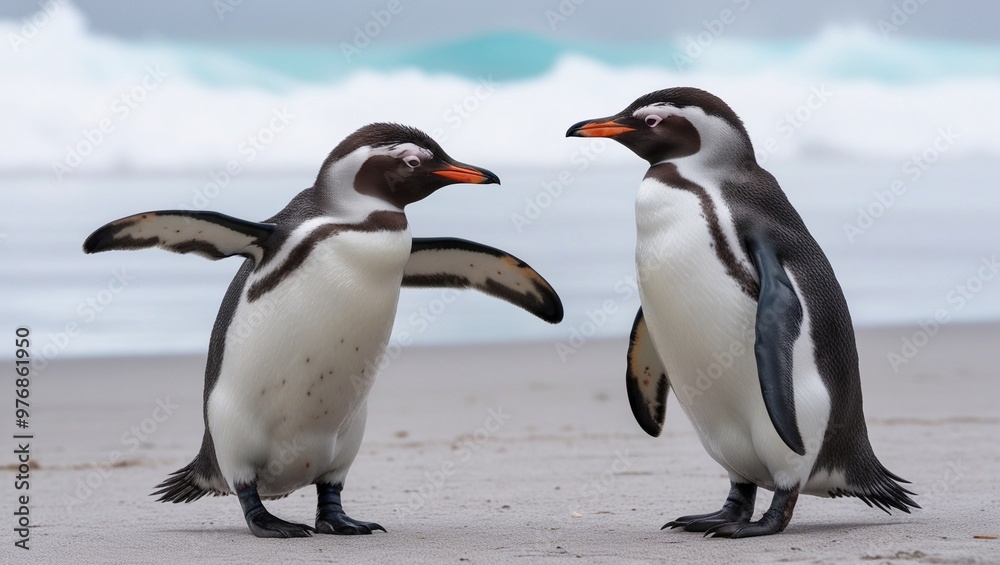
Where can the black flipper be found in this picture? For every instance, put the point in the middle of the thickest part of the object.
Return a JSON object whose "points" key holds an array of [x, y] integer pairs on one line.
{"points": [[646, 379], [458, 263], [209, 234], [779, 320]]}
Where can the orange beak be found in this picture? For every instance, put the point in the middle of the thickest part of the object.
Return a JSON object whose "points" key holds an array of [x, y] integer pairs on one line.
{"points": [[468, 175], [603, 128]]}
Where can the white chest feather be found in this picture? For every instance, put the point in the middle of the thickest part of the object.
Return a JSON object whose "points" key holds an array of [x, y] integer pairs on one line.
{"points": [[299, 360], [702, 322]]}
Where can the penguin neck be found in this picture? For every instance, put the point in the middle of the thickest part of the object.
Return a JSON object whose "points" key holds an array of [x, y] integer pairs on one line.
{"points": [[688, 170], [715, 163], [336, 195], [723, 150]]}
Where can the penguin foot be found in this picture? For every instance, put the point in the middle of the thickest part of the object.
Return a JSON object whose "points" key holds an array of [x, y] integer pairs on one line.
{"points": [[772, 522], [267, 525], [330, 515], [734, 530], [704, 522], [738, 508], [262, 523], [342, 524]]}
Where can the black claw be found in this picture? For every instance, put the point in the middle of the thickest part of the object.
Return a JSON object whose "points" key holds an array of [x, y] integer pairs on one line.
{"points": [[724, 530], [733, 530], [708, 524], [375, 526]]}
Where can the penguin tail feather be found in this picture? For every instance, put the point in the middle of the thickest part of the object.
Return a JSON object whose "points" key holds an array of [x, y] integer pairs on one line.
{"points": [[183, 486], [880, 489]]}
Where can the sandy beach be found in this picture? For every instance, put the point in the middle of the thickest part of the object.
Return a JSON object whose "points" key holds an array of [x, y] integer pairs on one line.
{"points": [[502, 453]]}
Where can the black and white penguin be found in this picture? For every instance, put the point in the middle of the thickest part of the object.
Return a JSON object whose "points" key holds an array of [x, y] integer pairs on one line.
{"points": [[742, 316], [309, 314]]}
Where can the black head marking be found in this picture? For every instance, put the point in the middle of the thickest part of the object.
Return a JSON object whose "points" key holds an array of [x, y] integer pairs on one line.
{"points": [[662, 136], [685, 96], [381, 134], [404, 177]]}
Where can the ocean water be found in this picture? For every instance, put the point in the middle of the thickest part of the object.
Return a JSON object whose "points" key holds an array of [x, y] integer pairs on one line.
{"points": [[92, 104], [105, 128], [933, 250]]}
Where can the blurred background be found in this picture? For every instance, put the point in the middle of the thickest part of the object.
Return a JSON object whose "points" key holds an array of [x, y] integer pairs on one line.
{"points": [[878, 118]]}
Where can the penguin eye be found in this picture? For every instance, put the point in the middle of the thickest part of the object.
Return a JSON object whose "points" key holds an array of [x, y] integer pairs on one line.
{"points": [[412, 161], [652, 120]]}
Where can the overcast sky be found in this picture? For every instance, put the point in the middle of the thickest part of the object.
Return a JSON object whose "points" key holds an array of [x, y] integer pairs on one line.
{"points": [[314, 22]]}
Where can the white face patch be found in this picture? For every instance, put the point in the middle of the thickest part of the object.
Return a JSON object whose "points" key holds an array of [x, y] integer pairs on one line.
{"points": [[342, 202], [717, 136], [654, 113], [661, 111], [411, 154]]}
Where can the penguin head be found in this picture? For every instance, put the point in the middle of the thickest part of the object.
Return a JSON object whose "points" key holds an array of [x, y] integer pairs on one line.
{"points": [[395, 164], [674, 123]]}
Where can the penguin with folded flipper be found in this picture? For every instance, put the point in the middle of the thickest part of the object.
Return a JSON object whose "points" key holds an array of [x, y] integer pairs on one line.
{"points": [[742, 317]]}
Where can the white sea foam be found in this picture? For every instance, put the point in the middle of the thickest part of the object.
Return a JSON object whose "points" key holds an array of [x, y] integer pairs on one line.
{"points": [[885, 99]]}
